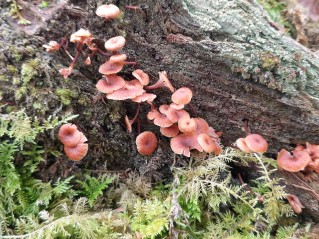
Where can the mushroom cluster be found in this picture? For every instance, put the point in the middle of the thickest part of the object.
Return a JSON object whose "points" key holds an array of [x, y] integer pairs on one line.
{"points": [[175, 122], [73, 141], [302, 158]]}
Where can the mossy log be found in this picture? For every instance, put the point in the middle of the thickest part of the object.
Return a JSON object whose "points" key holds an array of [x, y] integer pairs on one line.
{"points": [[239, 66]]}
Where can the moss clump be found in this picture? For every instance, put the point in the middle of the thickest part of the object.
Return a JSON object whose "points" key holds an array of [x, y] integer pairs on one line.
{"points": [[269, 61], [66, 95], [29, 70]]}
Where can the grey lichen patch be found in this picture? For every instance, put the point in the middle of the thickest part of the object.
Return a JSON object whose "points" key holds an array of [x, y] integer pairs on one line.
{"points": [[248, 42]]}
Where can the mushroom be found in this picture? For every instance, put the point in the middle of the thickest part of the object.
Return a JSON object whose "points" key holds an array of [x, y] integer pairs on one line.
{"points": [[146, 143], [70, 136], [82, 35], [148, 97], [110, 84], [52, 46], [183, 143], [187, 125], [141, 76], [256, 143], [241, 144], [109, 11], [110, 68], [128, 122], [129, 91], [295, 203], [162, 82], [313, 150], [115, 43], [182, 96], [76, 152], [293, 163], [171, 131]]}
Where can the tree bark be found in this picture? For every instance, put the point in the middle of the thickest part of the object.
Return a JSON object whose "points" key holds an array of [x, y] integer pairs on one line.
{"points": [[239, 66]]}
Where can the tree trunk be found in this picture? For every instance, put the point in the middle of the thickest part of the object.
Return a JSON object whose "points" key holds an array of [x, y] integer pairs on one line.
{"points": [[239, 66]]}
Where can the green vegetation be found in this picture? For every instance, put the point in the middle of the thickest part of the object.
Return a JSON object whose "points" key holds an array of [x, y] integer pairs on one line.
{"points": [[202, 201], [275, 10]]}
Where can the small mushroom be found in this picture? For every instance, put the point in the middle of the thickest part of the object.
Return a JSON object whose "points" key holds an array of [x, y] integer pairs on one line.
{"points": [[82, 35], [146, 143], [109, 11], [256, 143], [183, 143], [187, 125], [76, 152], [295, 203], [110, 68], [141, 76], [128, 91], [182, 96], [110, 84], [70, 136], [293, 163], [171, 131], [241, 144], [115, 43], [162, 82]]}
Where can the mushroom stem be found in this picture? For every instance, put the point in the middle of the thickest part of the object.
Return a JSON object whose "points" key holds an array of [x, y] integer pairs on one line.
{"points": [[138, 126], [103, 53], [156, 85], [78, 52], [136, 114], [193, 110], [130, 63], [246, 126], [133, 7]]}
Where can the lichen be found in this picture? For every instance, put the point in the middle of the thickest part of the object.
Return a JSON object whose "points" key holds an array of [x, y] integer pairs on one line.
{"points": [[247, 41]]}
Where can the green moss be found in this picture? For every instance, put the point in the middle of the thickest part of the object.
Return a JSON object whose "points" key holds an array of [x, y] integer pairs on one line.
{"points": [[12, 69], [65, 95], [30, 70], [20, 92], [16, 53], [3, 78], [16, 80]]}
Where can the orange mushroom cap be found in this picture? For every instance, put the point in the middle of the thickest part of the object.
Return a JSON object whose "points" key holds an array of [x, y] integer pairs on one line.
{"points": [[144, 97], [175, 115], [187, 125], [141, 76], [69, 135], [182, 96], [256, 143], [76, 152], [110, 68], [115, 43], [183, 143], [128, 91], [112, 83], [202, 126], [241, 144], [109, 11], [313, 150], [171, 131], [293, 163], [206, 142], [118, 58], [146, 143], [81, 35]]}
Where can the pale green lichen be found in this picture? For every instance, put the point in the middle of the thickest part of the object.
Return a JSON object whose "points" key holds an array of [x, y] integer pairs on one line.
{"points": [[246, 37]]}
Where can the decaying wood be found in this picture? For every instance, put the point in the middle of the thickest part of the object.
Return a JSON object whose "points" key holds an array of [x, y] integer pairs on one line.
{"points": [[238, 65]]}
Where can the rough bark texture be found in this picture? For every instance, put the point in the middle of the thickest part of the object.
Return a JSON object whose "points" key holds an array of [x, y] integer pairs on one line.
{"points": [[238, 66]]}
